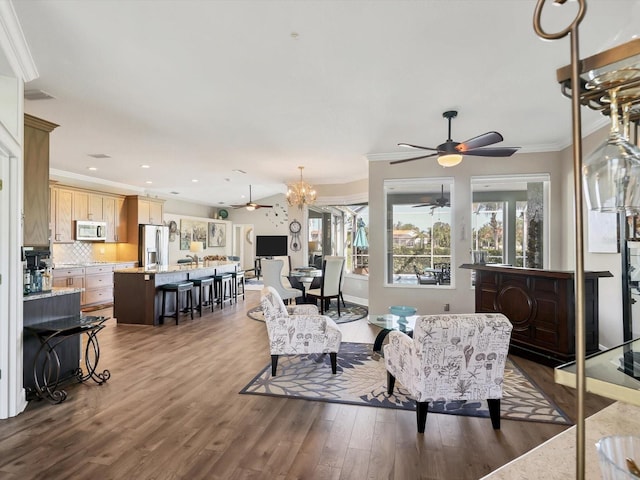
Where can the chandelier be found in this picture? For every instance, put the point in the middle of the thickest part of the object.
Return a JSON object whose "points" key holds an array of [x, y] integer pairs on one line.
{"points": [[301, 193]]}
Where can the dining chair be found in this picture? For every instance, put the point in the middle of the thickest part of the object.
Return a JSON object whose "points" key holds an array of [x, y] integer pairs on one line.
{"points": [[286, 268], [331, 285], [272, 277]]}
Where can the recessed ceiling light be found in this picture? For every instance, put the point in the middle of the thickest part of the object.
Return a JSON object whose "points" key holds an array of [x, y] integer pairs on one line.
{"points": [[145, 166], [93, 169], [195, 180], [148, 181]]}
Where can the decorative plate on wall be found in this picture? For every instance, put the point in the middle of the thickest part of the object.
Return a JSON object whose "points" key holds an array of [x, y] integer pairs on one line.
{"points": [[222, 213]]}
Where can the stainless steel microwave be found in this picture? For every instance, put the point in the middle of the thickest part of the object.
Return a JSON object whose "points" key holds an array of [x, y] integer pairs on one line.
{"points": [[91, 231]]}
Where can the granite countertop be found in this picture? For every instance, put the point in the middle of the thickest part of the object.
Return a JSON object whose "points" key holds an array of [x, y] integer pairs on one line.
{"points": [[556, 458], [183, 267], [55, 291], [90, 264]]}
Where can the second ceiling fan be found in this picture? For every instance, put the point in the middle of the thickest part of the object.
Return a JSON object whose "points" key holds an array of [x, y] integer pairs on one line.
{"points": [[251, 205], [439, 202], [450, 153]]}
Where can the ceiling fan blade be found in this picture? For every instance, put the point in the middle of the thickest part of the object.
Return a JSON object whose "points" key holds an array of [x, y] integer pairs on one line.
{"points": [[493, 152], [417, 146], [263, 206], [483, 140], [412, 159]]}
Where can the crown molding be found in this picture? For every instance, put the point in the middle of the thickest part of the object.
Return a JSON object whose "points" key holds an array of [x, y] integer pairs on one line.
{"points": [[14, 45]]}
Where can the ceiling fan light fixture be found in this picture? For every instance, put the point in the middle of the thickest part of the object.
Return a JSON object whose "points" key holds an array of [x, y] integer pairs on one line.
{"points": [[250, 208], [450, 159], [301, 193]]}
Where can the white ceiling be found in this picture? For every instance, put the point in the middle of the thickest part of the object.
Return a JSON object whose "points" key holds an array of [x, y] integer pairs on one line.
{"points": [[198, 88]]}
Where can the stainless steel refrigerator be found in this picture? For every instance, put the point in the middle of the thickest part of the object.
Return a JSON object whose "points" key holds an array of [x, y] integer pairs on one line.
{"points": [[153, 246]]}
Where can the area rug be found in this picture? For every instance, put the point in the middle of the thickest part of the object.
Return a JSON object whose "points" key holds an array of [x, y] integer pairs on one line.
{"points": [[253, 284], [362, 380], [348, 313]]}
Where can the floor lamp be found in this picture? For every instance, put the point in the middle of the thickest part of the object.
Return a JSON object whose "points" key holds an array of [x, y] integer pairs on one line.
{"points": [[604, 66]]}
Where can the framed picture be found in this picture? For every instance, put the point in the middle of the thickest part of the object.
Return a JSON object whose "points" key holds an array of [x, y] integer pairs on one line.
{"points": [[217, 234], [192, 231]]}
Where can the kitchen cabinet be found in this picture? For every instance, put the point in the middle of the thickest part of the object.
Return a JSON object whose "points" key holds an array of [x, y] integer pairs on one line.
{"points": [[98, 283], [69, 204], [115, 214], [88, 206], [62, 215], [140, 210], [36, 181], [70, 277], [149, 211]]}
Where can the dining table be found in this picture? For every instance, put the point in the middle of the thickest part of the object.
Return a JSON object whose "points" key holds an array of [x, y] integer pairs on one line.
{"points": [[303, 278]]}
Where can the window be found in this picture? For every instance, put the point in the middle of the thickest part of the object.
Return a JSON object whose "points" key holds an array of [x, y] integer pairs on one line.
{"points": [[418, 242], [340, 230], [508, 219]]}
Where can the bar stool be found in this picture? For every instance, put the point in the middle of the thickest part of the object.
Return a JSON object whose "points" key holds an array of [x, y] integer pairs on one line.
{"points": [[202, 285], [238, 281], [223, 286], [178, 288]]}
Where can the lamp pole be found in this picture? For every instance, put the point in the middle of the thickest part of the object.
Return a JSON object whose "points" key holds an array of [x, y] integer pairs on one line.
{"points": [[572, 31]]}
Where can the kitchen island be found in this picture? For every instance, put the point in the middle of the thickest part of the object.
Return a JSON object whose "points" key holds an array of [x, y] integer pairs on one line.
{"points": [[137, 298]]}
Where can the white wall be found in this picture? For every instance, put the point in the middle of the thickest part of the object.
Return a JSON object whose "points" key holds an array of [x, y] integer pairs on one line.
{"points": [[610, 301]]}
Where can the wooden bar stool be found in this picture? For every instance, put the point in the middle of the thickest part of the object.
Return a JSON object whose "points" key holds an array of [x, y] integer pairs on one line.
{"points": [[203, 285], [178, 288], [223, 286]]}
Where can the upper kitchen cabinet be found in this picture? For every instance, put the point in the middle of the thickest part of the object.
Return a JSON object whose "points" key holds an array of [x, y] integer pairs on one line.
{"points": [[62, 214], [36, 181], [146, 210], [88, 206], [115, 214]]}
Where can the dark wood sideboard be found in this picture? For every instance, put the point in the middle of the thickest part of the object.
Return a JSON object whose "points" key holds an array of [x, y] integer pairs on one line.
{"points": [[541, 306]]}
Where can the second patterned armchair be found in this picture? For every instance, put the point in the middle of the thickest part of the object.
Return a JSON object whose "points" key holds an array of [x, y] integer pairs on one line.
{"points": [[451, 357], [298, 329]]}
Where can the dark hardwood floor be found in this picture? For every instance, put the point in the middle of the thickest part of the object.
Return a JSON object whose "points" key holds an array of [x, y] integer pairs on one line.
{"points": [[172, 410]]}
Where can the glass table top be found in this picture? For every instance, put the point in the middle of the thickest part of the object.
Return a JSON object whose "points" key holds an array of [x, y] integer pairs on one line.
{"points": [[393, 322], [613, 373]]}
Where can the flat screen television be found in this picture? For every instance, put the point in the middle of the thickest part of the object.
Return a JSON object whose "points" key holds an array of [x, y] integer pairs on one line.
{"points": [[271, 245]]}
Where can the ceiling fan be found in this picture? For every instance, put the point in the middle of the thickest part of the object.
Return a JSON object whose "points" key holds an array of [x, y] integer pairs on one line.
{"points": [[439, 202], [450, 153], [251, 205]]}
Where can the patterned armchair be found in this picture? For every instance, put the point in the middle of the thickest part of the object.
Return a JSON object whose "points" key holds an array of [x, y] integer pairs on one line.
{"points": [[298, 329], [451, 357]]}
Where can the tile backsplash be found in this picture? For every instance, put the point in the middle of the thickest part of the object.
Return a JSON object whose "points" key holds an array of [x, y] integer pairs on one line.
{"points": [[83, 252]]}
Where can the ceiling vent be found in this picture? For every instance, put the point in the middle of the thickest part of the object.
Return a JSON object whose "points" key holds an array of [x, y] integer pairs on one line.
{"points": [[37, 95], [99, 155]]}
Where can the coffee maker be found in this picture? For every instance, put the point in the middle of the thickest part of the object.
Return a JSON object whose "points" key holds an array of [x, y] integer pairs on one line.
{"points": [[36, 266]]}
